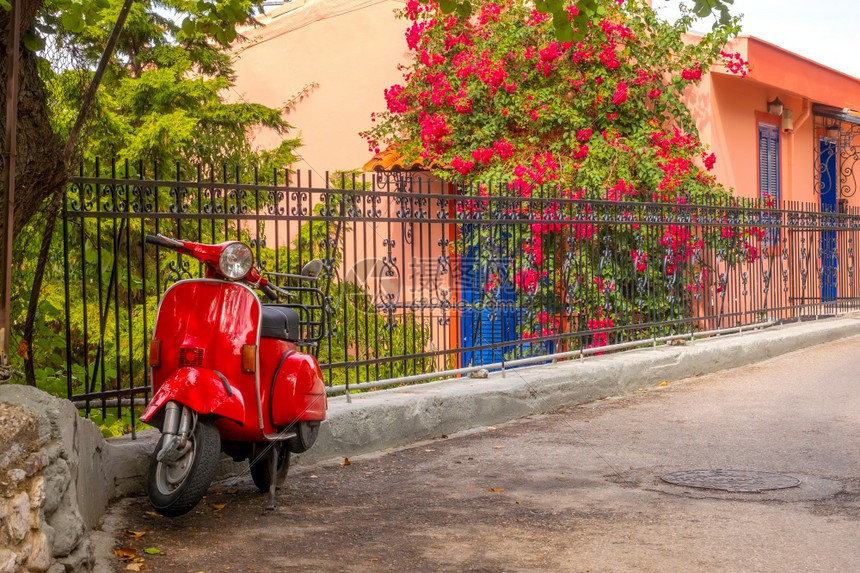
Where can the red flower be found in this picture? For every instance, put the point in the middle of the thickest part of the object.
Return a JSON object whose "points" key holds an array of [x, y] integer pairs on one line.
{"points": [[583, 135], [620, 93], [462, 166], [693, 74], [504, 149]]}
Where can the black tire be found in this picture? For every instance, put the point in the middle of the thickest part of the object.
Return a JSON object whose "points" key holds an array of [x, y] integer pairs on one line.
{"points": [[260, 467], [175, 488], [306, 435]]}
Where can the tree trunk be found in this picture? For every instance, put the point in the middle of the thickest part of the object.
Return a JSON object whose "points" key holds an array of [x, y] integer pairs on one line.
{"points": [[40, 169]]}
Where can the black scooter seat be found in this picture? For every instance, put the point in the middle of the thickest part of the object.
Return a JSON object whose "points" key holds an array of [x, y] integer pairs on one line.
{"points": [[280, 322]]}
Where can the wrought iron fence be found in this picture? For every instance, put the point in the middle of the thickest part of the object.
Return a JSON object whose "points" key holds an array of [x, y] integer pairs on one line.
{"points": [[427, 279]]}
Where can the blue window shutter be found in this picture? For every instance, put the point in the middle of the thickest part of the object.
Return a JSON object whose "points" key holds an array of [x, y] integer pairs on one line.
{"points": [[768, 161]]}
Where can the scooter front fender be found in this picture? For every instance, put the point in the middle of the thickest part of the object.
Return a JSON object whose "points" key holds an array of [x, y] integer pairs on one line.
{"points": [[203, 390]]}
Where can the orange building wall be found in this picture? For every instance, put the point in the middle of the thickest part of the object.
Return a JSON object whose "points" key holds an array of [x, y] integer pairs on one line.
{"points": [[727, 109], [351, 48]]}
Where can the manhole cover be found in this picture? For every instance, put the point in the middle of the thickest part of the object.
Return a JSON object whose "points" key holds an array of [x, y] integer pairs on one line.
{"points": [[732, 480]]}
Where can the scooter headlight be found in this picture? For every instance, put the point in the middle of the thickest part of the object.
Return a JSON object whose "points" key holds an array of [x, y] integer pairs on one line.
{"points": [[236, 260]]}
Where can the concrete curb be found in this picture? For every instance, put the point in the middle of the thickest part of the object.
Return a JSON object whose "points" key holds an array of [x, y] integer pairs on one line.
{"points": [[397, 417]]}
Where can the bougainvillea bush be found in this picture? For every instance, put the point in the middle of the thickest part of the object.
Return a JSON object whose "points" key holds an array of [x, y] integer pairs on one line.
{"points": [[564, 138]]}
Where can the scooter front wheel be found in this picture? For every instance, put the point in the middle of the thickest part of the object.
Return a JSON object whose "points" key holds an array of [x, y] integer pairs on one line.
{"points": [[175, 487]]}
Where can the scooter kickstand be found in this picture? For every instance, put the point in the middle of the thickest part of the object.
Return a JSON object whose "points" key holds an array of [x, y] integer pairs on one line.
{"points": [[273, 469]]}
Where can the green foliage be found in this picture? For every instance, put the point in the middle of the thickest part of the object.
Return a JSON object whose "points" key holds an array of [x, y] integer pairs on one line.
{"points": [[567, 30], [165, 97], [111, 426]]}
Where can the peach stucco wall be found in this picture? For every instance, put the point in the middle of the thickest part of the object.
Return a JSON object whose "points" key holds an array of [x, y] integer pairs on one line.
{"points": [[350, 48]]}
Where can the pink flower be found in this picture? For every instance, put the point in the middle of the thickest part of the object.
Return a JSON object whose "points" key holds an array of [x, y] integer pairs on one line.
{"points": [[694, 73], [462, 166], [583, 135], [504, 149], [620, 93], [395, 99], [639, 260], [482, 155]]}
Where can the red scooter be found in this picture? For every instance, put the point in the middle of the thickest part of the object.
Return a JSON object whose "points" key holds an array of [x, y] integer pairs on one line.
{"points": [[231, 374]]}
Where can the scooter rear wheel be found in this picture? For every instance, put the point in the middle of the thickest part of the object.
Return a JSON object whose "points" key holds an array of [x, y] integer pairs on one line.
{"points": [[174, 488], [260, 468]]}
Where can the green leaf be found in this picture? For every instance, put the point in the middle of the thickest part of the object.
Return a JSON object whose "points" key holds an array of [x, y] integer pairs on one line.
{"points": [[5, 5], [702, 9], [554, 6], [152, 551], [188, 27], [32, 42], [447, 6], [563, 27], [73, 21], [464, 9]]}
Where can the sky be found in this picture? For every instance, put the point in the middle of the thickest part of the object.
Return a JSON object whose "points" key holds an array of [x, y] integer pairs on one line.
{"points": [[826, 31]]}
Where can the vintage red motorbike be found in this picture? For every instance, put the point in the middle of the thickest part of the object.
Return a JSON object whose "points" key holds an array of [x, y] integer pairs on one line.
{"points": [[230, 374]]}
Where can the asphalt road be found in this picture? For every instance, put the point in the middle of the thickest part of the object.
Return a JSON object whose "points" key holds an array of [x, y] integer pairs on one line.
{"points": [[577, 490]]}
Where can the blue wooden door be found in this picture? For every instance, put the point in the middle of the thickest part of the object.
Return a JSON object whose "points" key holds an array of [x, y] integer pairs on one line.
{"points": [[829, 187], [484, 319]]}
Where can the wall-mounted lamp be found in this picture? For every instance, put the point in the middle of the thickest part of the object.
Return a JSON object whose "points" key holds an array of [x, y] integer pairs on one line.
{"points": [[775, 107], [833, 131]]}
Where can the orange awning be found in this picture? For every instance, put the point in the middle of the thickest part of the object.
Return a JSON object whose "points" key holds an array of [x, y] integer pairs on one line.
{"points": [[390, 160]]}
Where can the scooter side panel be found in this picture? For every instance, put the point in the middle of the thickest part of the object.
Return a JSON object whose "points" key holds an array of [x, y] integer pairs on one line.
{"points": [[205, 323], [298, 393], [201, 390]]}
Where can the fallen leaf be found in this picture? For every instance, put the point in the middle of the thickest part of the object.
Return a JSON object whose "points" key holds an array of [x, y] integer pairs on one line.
{"points": [[134, 534], [313, 476], [153, 514], [125, 553], [491, 427], [232, 490], [498, 447], [135, 567], [152, 551], [429, 450], [664, 383], [219, 506], [495, 489], [345, 462]]}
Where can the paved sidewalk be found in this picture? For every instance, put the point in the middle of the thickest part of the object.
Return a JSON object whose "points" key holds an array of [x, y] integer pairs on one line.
{"points": [[380, 420], [578, 489]]}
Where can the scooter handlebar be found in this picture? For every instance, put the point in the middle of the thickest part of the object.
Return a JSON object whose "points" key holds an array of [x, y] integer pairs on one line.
{"points": [[269, 292], [163, 241]]}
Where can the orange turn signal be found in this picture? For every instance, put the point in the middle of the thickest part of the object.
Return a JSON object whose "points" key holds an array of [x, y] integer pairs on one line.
{"points": [[249, 358], [155, 353]]}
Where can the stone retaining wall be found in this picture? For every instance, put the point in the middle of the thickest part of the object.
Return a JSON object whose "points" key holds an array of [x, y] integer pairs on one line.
{"points": [[54, 483]]}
